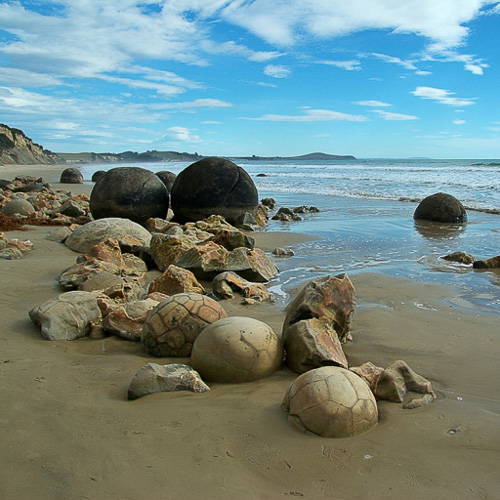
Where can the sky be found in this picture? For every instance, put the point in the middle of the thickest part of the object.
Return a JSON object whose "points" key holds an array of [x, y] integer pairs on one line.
{"points": [[369, 78]]}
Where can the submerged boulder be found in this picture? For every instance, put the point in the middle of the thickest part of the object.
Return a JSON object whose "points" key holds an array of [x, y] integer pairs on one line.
{"points": [[441, 207]]}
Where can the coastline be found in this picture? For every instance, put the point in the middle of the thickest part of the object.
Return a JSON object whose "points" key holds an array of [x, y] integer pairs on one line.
{"points": [[69, 431]]}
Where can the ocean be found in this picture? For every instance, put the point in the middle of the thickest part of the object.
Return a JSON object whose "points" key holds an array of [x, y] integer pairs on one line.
{"points": [[365, 222]]}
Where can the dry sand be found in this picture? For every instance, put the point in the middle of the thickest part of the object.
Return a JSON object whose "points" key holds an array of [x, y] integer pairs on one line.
{"points": [[68, 431]]}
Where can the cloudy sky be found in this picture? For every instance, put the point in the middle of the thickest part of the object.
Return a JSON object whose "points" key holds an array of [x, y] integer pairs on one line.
{"points": [[371, 78]]}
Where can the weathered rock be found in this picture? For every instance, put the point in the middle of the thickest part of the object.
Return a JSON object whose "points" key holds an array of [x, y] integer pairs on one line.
{"points": [[328, 297], [213, 186], [127, 321], [305, 209], [18, 206], [441, 207], [212, 224], [233, 239], [10, 254], [237, 349], [369, 373], [71, 175], [173, 325], [168, 178], [208, 259], [225, 284], [85, 237], [166, 249], [72, 208], [269, 202], [176, 280], [98, 174], [129, 192], [286, 215], [460, 257], [247, 221], [397, 380], [59, 234], [331, 402], [283, 252], [313, 343], [153, 378], [67, 317], [101, 281], [493, 263]]}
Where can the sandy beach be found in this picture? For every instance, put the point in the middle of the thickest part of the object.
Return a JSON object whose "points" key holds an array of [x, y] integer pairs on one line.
{"points": [[69, 432]]}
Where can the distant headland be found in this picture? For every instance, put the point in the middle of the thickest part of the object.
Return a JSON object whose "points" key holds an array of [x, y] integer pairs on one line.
{"points": [[16, 147]]}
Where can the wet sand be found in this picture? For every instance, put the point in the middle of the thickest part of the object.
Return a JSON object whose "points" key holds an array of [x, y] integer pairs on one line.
{"points": [[68, 431]]}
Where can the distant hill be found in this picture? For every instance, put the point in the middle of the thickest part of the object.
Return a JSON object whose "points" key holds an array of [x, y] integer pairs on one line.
{"points": [[129, 157], [16, 148], [306, 157]]}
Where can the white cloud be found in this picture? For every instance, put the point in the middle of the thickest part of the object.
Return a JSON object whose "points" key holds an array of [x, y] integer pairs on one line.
{"points": [[423, 73], [394, 116], [394, 60], [442, 96], [277, 71], [312, 115], [190, 105], [182, 134], [459, 122], [352, 65], [377, 104]]}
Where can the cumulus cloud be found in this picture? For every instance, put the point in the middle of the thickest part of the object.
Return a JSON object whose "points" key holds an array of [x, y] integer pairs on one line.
{"points": [[277, 71], [394, 116], [442, 96], [312, 115], [182, 134]]}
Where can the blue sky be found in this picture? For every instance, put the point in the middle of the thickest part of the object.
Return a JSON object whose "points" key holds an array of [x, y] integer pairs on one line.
{"points": [[371, 78]]}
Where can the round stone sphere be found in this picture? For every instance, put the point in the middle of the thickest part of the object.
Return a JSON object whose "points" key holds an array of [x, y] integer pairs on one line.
{"points": [[331, 402], [97, 175], [71, 175], [441, 207], [174, 324], [168, 178], [18, 206], [237, 349], [129, 192], [213, 186]]}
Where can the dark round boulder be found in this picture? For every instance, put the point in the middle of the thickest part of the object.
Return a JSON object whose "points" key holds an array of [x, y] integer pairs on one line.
{"points": [[71, 175], [97, 175], [213, 186], [131, 193], [168, 178], [441, 207]]}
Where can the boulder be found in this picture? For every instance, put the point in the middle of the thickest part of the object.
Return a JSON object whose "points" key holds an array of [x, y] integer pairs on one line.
{"points": [[98, 174], [269, 202], [166, 249], [67, 317], [330, 298], [213, 186], [85, 237], [493, 263], [233, 239], [331, 402], [237, 349], [173, 325], [312, 343], [153, 378], [286, 215], [130, 192], [176, 280], [71, 175], [18, 206], [441, 207], [168, 178], [460, 257], [225, 284], [283, 252]]}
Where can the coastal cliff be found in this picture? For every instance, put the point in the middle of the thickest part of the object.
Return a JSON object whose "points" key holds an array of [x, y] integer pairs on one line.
{"points": [[16, 148]]}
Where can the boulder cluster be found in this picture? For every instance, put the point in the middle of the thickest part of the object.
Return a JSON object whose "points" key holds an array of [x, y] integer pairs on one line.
{"points": [[125, 232]]}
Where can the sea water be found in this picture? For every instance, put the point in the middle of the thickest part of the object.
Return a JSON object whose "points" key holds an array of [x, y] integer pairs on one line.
{"points": [[365, 222]]}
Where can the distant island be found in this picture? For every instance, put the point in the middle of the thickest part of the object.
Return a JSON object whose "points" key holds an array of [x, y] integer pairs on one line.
{"points": [[16, 147]]}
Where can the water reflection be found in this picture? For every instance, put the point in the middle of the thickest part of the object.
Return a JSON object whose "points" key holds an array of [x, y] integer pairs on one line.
{"points": [[438, 230]]}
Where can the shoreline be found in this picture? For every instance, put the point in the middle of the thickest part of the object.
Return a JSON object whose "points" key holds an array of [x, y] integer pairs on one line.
{"points": [[69, 431]]}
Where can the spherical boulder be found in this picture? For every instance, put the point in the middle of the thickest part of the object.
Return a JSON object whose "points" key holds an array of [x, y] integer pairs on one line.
{"points": [[331, 402], [18, 206], [97, 175], [168, 178], [213, 186], [129, 192], [174, 324], [71, 175], [237, 349], [441, 207]]}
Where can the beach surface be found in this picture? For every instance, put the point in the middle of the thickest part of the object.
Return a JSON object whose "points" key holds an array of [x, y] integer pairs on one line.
{"points": [[69, 432]]}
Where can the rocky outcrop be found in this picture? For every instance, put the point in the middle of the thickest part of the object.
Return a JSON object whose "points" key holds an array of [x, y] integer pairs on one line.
{"points": [[16, 148]]}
